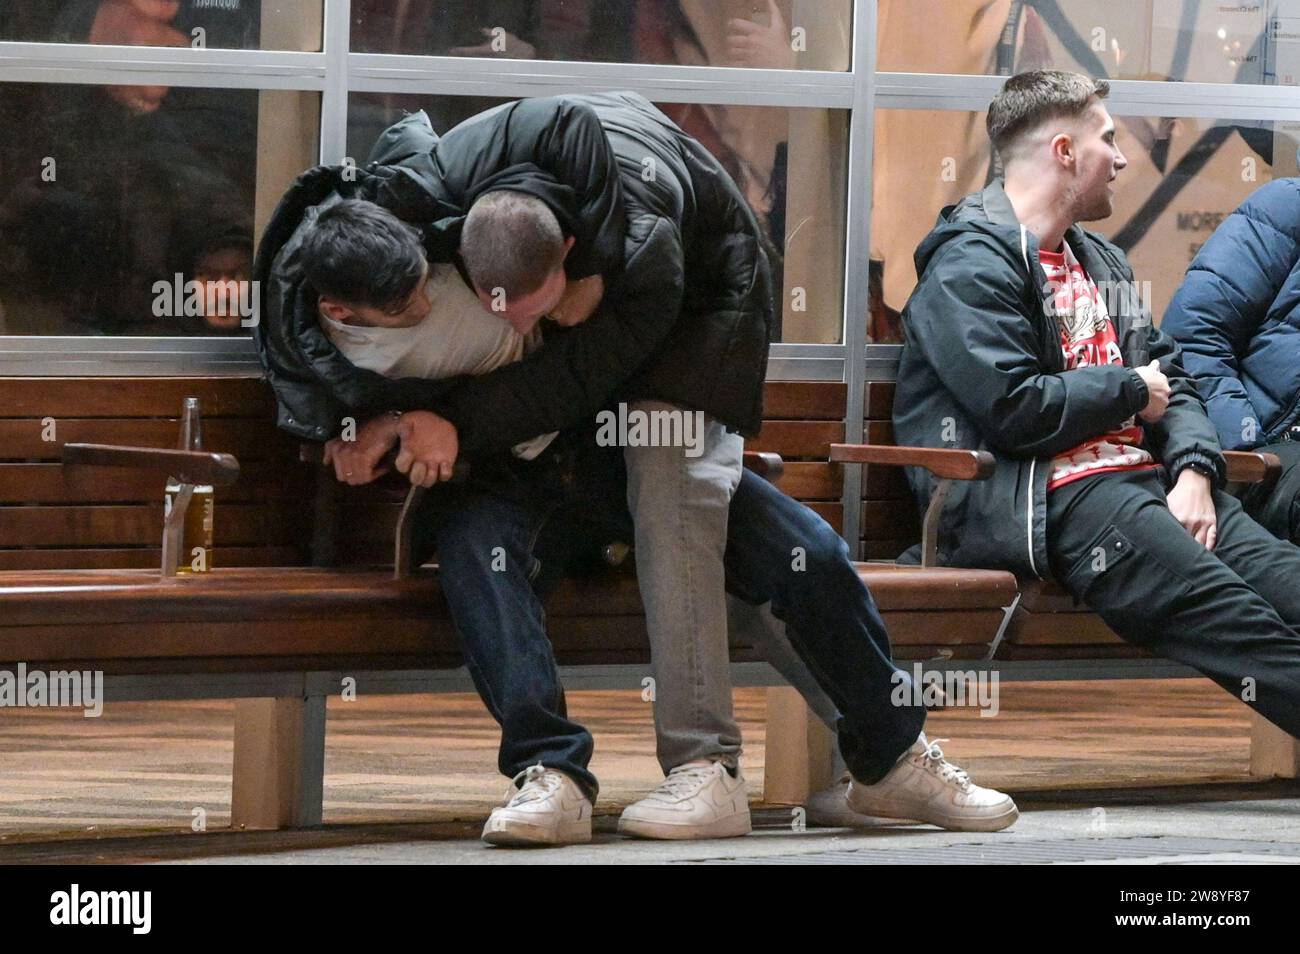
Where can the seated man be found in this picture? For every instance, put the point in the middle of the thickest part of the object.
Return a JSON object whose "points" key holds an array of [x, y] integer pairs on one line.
{"points": [[823, 600], [1108, 470], [1236, 317]]}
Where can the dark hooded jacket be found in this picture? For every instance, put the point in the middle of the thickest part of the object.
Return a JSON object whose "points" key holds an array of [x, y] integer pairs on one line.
{"points": [[982, 369], [687, 311]]}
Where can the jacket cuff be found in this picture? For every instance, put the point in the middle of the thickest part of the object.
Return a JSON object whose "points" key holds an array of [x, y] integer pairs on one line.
{"points": [[1203, 463], [1139, 390]]}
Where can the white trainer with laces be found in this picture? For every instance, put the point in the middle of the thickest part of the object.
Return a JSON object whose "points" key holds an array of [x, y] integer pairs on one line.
{"points": [[698, 799], [548, 809], [926, 786], [829, 808]]}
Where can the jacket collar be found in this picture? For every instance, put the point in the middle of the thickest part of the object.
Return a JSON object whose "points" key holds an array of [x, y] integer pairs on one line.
{"points": [[1000, 211]]}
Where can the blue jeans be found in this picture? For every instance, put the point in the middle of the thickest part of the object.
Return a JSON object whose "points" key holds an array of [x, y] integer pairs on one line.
{"points": [[487, 566], [780, 551]]}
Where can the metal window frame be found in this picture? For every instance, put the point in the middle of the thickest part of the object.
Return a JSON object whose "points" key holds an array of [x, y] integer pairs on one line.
{"points": [[336, 72]]}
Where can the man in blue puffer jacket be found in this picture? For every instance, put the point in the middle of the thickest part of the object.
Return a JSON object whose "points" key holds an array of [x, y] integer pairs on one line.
{"points": [[1237, 319]]}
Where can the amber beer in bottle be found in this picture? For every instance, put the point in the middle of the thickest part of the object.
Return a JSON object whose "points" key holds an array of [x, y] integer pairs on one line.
{"points": [[194, 555]]}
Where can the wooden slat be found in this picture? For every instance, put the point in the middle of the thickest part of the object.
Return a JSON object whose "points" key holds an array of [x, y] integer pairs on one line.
{"points": [[887, 520], [794, 439], [143, 558], [23, 439], [54, 483], [138, 525], [812, 481], [134, 397], [804, 400], [885, 483], [879, 403]]}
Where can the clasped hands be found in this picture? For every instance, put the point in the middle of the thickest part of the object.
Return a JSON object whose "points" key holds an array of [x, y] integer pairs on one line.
{"points": [[427, 453]]}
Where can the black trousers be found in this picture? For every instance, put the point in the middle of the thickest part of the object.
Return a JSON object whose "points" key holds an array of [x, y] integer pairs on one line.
{"points": [[1277, 508], [1232, 613]]}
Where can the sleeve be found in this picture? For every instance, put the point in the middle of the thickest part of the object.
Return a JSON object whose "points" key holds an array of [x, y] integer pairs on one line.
{"points": [[1218, 310], [1184, 435], [563, 137], [574, 374], [970, 323]]}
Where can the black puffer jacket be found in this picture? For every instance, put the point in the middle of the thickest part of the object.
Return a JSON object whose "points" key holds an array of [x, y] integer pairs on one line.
{"points": [[688, 303], [982, 369]]}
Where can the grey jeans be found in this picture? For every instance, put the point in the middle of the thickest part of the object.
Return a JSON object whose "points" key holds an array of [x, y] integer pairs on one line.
{"points": [[679, 499]]}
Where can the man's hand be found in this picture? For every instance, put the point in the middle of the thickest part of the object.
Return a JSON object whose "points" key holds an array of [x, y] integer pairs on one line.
{"points": [[430, 445], [755, 45], [1192, 504], [579, 301], [1157, 392], [357, 462]]}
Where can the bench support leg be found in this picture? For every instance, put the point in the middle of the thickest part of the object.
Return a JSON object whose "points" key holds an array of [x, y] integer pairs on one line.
{"points": [[1273, 753], [279, 768], [800, 750]]}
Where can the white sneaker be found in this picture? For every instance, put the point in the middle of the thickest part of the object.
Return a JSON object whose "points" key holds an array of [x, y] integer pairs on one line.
{"points": [[698, 799], [829, 808], [927, 786], [548, 809]]}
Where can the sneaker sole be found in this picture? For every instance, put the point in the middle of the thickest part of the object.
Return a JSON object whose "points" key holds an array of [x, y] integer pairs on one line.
{"points": [[733, 826], [518, 835], [1004, 819]]}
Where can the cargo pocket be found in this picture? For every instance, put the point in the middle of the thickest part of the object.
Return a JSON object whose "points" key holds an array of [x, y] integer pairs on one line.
{"points": [[1108, 550]]}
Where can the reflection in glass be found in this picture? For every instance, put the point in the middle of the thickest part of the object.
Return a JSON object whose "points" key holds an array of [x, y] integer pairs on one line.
{"points": [[214, 24], [1184, 177], [1203, 41], [773, 34], [789, 163], [100, 202]]}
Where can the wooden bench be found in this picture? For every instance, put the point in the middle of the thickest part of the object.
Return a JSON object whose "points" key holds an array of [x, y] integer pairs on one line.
{"points": [[81, 589], [1048, 636]]}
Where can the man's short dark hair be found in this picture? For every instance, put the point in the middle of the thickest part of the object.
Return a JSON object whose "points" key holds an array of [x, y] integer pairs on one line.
{"points": [[511, 241], [361, 254], [1027, 100]]}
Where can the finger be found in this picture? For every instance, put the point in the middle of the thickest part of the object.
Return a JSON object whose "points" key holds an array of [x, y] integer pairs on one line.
{"points": [[418, 472], [404, 460], [445, 470], [329, 453], [1154, 365], [1211, 537]]}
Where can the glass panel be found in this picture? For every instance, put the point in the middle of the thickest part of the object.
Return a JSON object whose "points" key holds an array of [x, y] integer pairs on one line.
{"points": [[215, 24], [100, 201], [780, 34], [1205, 41], [1184, 176], [790, 163]]}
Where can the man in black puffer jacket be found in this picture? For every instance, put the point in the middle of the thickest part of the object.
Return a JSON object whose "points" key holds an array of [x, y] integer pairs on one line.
{"points": [[525, 210]]}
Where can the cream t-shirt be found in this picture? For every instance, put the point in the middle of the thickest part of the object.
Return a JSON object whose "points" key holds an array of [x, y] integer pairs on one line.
{"points": [[458, 336]]}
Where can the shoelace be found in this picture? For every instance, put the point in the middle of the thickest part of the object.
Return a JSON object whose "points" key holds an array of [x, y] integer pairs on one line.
{"points": [[538, 783], [684, 780], [932, 758]]}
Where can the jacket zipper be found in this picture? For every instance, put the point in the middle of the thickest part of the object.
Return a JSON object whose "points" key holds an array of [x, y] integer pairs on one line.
{"points": [[1033, 462]]}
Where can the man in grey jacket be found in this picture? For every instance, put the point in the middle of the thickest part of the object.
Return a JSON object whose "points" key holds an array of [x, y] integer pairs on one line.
{"points": [[1025, 338]]}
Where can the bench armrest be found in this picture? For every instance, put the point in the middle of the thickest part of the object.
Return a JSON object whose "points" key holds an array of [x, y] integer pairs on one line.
{"points": [[944, 464], [1252, 467], [188, 467], [766, 464]]}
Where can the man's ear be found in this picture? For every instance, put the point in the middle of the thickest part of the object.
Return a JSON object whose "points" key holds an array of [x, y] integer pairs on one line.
{"points": [[1062, 146], [334, 310], [568, 245]]}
